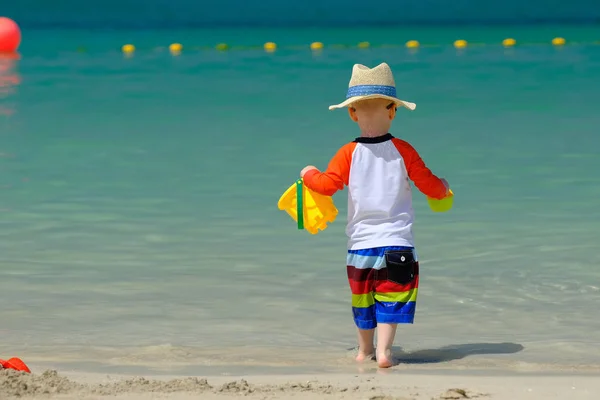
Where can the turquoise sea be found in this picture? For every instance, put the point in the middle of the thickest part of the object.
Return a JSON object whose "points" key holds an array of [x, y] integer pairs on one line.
{"points": [[138, 199]]}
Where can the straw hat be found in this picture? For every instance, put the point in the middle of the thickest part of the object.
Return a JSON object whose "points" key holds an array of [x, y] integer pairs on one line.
{"points": [[372, 83]]}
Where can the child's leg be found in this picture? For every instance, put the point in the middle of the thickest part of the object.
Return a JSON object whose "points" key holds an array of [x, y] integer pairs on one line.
{"points": [[385, 340], [361, 277], [395, 298], [365, 344]]}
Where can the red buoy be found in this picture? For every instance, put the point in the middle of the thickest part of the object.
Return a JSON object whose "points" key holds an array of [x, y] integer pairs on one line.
{"points": [[10, 35]]}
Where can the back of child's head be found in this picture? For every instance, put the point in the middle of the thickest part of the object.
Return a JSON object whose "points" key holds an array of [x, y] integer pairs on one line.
{"points": [[373, 116]]}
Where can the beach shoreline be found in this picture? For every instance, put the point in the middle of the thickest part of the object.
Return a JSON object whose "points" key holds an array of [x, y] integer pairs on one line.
{"points": [[388, 384]]}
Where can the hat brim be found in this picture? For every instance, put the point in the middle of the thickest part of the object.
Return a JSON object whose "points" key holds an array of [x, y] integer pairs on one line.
{"points": [[351, 100]]}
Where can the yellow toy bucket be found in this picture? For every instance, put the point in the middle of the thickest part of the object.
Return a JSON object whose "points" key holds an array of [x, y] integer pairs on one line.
{"points": [[442, 205], [312, 211]]}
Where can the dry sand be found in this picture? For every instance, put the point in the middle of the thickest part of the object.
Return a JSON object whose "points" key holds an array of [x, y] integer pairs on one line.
{"points": [[380, 386]]}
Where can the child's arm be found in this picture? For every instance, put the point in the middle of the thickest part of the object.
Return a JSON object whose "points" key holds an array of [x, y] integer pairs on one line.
{"points": [[336, 175], [429, 184]]}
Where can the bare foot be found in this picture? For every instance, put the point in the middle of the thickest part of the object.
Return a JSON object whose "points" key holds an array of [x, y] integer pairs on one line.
{"points": [[364, 356], [385, 360]]}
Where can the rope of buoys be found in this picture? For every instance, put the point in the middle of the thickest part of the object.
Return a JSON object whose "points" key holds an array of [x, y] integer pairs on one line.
{"points": [[271, 47]]}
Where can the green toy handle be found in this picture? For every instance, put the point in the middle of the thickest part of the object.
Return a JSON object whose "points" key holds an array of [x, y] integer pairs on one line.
{"points": [[299, 204]]}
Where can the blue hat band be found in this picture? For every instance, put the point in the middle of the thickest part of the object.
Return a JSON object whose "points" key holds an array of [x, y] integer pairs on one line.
{"points": [[366, 90]]}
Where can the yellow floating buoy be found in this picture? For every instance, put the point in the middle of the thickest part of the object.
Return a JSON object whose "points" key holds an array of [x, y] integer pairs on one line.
{"points": [[128, 48], [316, 46], [558, 41], [175, 48], [460, 44], [270, 47], [412, 44], [222, 46], [364, 45], [510, 42]]}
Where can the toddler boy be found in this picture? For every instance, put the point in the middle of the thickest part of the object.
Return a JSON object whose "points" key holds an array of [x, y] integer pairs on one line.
{"points": [[382, 264]]}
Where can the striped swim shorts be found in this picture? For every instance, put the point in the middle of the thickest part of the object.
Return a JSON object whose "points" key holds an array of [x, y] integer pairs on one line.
{"points": [[384, 282]]}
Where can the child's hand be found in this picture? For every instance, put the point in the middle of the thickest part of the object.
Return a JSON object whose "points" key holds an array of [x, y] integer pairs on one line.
{"points": [[306, 169]]}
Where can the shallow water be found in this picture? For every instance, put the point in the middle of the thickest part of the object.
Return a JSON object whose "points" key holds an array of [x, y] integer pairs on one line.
{"points": [[139, 217]]}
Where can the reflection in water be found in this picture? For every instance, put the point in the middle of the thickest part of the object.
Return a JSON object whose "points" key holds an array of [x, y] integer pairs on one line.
{"points": [[9, 80]]}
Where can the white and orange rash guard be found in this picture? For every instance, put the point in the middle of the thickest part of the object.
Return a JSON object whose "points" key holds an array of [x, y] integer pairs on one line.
{"points": [[377, 172]]}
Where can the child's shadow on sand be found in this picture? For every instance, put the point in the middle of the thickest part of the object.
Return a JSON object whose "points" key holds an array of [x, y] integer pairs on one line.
{"points": [[453, 352]]}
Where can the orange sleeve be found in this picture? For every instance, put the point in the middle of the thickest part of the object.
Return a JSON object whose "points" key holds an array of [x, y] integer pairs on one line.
{"points": [[336, 175], [429, 184]]}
